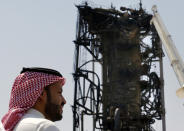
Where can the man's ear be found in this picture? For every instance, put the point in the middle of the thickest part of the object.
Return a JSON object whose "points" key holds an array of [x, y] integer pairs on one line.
{"points": [[43, 96], [41, 101]]}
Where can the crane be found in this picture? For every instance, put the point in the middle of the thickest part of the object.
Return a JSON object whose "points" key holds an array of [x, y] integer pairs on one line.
{"points": [[173, 55]]}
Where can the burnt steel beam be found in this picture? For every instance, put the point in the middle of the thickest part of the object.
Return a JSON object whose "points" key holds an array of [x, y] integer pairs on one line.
{"points": [[129, 84]]}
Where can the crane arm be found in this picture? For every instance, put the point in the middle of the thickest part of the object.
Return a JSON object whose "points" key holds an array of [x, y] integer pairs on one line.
{"points": [[174, 57]]}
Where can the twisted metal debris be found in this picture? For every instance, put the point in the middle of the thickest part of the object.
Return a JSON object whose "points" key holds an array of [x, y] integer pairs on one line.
{"points": [[124, 94]]}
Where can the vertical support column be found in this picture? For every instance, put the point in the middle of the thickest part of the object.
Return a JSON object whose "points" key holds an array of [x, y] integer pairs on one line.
{"points": [[93, 79], [75, 90], [76, 71], [162, 88]]}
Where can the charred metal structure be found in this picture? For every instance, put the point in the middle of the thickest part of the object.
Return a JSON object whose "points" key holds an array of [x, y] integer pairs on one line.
{"points": [[117, 70]]}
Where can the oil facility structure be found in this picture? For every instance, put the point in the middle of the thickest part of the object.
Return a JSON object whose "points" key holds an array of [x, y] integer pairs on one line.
{"points": [[118, 71]]}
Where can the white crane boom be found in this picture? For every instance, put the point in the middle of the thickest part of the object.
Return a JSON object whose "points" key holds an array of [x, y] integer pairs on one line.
{"points": [[174, 57]]}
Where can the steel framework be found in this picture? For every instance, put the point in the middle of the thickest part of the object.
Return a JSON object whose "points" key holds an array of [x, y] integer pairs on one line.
{"points": [[118, 71]]}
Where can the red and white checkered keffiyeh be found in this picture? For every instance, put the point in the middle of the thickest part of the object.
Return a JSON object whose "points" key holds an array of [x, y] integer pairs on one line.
{"points": [[26, 90]]}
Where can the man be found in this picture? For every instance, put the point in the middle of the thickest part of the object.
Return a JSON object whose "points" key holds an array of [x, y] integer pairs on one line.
{"points": [[36, 101]]}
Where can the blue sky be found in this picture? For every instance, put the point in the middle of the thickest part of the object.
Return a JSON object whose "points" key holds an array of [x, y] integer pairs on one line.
{"points": [[40, 33]]}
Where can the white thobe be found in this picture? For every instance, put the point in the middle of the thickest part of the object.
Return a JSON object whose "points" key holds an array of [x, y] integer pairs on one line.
{"points": [[33, 120]]}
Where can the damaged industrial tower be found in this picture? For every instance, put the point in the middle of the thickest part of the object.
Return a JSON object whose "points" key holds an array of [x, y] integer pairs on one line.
{"points": [[118, 70]]}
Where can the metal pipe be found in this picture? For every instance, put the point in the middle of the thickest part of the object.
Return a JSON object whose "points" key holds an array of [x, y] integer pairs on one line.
{"points": [[162, 88]]}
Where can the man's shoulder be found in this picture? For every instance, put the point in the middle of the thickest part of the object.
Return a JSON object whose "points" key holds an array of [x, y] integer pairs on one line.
{"points": [[38, 124], [35, 121], [1, 127]]}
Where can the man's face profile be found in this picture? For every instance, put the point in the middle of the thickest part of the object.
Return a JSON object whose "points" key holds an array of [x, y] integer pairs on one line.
{"points": [[55, 102]]}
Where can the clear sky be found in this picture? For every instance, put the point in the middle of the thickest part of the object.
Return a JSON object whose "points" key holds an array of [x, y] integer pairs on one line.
{"points": [[40, 33]]}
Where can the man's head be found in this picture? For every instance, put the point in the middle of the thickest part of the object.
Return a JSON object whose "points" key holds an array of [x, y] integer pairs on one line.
{"points": [[55, 101], [51, 101], [35, 88]]}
